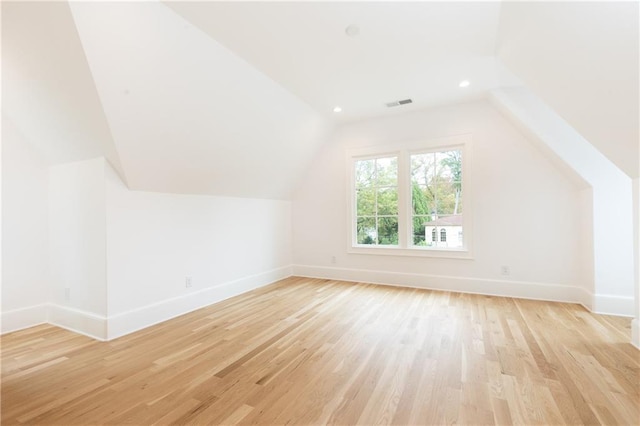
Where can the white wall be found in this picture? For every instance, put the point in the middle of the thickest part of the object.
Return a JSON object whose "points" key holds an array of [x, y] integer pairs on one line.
{"points": [[635, 325], [77, 241], [84, 252], [24, 232], [154, 241], [612, 195], [526, 213]]}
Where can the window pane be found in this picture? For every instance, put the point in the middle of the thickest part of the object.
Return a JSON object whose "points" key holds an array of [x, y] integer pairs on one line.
{"points": [[388, 201], [367, 230], [421, 200], [442, 168], [387, 169], [435, 196], [365, 202], [422, 168], [388, 230], [418, 230], [450, 165], [436, 199], [449, 181], [365, 172], [446, 197]]}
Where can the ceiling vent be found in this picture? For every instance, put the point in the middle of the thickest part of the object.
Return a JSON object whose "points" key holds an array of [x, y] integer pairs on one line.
{"points": [[398, 103]]}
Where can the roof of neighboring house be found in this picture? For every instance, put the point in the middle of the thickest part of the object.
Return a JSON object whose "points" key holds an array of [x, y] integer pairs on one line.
{"points": [[452, 220]]}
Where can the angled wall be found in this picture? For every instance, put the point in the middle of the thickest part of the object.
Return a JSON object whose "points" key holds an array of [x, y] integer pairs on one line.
{"points": [[613, 222]]}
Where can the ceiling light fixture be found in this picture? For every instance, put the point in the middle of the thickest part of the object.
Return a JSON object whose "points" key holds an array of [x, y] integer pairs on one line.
{"points": [[337, 109], [464, 83], [352, 30]]}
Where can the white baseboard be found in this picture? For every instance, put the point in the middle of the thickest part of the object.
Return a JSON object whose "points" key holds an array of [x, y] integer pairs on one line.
{"points": [[519, 289], [19, 319], [127, 322], [103, 328], [613, 305], [78, 321]]}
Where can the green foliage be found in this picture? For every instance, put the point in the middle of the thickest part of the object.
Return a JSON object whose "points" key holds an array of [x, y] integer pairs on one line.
{"points": [[377, 201], [453, 161], [421, 200], [436, 188], [367, 240], [366, 202]]}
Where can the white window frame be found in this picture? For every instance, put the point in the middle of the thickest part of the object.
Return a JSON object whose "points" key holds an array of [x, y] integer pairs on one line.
{"points": [[404, 151]]}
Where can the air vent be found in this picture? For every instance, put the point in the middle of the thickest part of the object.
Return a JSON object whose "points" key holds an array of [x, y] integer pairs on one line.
{"points": [[398, 103]]}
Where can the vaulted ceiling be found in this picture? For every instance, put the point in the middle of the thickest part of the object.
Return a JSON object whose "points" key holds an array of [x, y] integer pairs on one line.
{"points": [[234, 98]]}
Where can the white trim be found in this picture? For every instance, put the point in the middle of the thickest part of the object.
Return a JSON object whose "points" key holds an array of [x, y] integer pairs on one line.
{"points": [[78, 321], [403, 151], [613, 305], [127, 322], [106, 328], [504, 288], [18, 319], [635, 333], [440, 253]]}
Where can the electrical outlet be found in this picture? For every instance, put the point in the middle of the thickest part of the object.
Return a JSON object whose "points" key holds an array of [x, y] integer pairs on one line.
{"points": [[67, 294], [333, 260], [504, 270], [187, 282]]}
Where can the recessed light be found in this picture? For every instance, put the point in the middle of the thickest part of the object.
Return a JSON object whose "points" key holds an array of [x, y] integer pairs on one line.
{"points": [[337, 109], [464, 83], [352, 30]]}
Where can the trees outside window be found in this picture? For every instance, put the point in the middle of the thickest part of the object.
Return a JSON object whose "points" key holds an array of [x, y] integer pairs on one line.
{"points": [[377, 201], [409, 199]]}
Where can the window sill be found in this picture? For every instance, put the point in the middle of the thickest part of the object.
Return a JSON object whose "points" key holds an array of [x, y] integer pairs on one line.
{"points": [[439, 253]]}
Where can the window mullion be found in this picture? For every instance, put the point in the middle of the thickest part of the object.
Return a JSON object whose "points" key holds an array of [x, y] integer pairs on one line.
{"points": [[404, 200]]}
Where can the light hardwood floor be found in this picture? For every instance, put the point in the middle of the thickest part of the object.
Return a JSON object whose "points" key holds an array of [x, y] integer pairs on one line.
{"points": [[310, 351]]}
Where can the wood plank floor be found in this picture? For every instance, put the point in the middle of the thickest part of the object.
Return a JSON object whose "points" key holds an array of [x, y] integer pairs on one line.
{"points": [[307, 351]]}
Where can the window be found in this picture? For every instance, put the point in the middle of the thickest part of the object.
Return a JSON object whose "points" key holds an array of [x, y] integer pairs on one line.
{"points": [[436, 195], [411, 200], [377, 201]]}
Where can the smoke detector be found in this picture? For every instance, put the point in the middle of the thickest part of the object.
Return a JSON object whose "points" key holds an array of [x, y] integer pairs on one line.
{"points": [[352, 30]]}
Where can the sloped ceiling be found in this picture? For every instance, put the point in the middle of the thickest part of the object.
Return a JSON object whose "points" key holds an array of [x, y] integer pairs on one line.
{"points": [[582, 59], [187, 114], [417, 50], [234, 98], [47, 87]]}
